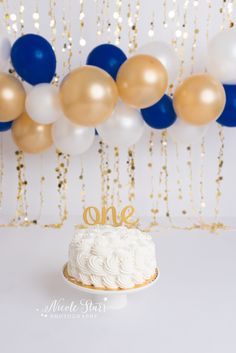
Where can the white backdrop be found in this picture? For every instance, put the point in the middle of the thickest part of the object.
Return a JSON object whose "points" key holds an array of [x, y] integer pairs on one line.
{"points": [[200, 22]]}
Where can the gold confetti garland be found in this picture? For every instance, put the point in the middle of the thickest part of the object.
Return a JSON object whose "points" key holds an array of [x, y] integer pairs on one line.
{"points": [[21, 216], [63, 162], [154, 210], [115, 195], [82, 185]]}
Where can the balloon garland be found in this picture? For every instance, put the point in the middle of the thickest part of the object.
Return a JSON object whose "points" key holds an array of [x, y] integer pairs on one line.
{"points": [[88, 95]]}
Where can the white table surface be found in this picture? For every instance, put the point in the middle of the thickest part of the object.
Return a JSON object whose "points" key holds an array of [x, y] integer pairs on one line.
{"points": [[192, 309]]}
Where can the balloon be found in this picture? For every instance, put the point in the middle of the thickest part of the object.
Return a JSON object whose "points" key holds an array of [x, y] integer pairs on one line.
{"points": [[228, 117], [29, 136], [108, 57], [71, 138], [199, 99], [43, 104], [142, 81], [165, 54], [5, 126], [221, 58], [124, 128], [12, 97], [160, 115], [88, 96], [33, 59], [5, 48], [182, 132]]}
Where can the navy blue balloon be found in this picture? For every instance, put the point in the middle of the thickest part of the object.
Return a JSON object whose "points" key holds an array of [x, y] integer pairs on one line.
{"points": [[33, 59], [108, 57], [228, 117], [4, 126], [161, 115]]}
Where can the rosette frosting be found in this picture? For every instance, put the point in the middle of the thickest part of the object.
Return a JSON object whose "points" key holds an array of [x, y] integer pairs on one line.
{"points": [[111, 257]]}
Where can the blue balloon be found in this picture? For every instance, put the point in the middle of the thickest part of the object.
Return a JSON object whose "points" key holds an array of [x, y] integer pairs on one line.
{"points": [[33, 59], [5, 126], [161, 115], [108, 57], [228, 117]]}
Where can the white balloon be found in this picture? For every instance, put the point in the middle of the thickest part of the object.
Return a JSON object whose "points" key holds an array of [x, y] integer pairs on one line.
{"points": [[71, 138], [166, 54], [5, 49], [185, 133], [221, 56], [43, 104], [124, 128]]}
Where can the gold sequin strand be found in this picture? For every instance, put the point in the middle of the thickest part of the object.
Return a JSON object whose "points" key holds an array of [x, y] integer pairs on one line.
{"points": [[116, 186], [219, 176], [82, 185], [21, 17], [131, 174], [104, 171], [67, 43], [63, 161], [82, 41], [21, 215], [117, 17], [154, 210]]}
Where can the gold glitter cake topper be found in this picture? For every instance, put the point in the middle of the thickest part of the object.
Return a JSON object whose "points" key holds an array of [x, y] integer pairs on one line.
{"points": [[92, 216]]}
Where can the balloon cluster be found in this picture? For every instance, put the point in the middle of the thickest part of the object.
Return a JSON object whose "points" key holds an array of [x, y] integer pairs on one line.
{"points": [[113, 94]]}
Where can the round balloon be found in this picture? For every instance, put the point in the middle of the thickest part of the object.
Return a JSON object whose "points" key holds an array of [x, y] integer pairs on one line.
{"points": [[221, 56], [165, 54], [31, 137], [33, 59], [88, 96], [12, 97], [228, 117], [142, 81], [5, 126], [71, 138], [5, 49], [160, 115], [43, 104], [108, 57], [184, 133], [200, 99], [124, 128]]}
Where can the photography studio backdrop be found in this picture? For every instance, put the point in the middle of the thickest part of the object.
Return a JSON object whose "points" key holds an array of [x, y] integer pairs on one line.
{"points": [[177, 180]]}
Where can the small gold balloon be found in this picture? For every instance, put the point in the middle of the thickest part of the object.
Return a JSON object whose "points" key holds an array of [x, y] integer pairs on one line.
{"points": [[142, 81], [31, 137], [12, 97], [88, 96], [200, 99]]}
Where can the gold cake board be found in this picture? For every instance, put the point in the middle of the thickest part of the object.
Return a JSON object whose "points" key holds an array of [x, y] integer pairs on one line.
{"points": [[80, 284]]}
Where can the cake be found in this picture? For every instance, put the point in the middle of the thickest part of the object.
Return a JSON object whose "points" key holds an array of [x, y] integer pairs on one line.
{"points": [[111, 258]]}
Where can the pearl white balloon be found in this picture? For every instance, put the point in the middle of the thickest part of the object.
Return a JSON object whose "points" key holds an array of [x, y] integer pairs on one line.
{"points": [[185, 133], [5, 49], [124, 128], [165, 54], [43, 104], [71, 138], [221, 56]]}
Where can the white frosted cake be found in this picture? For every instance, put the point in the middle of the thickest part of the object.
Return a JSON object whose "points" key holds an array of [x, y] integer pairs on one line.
{"points": [[114, 258]]}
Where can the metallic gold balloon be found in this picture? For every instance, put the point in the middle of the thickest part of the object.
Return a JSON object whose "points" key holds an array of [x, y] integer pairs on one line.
{"points": [[200, 99], [142, 81], [88, 96], [31, 137], [12, 97]]}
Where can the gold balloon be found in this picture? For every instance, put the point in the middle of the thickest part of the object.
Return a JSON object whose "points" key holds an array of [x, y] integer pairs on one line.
{"points": [[142, 81], [200, 99], [12, 97], [31, 137], [88, 96]]}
